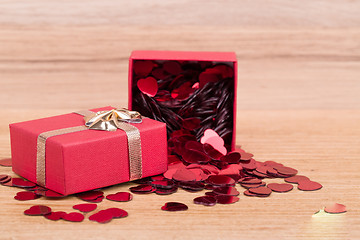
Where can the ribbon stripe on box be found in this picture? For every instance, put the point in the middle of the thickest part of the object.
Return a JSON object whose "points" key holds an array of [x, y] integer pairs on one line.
{"points": [[103, 120]]}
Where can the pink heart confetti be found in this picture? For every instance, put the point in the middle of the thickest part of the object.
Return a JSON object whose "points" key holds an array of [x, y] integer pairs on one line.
{"points": [[7, 162], [335, 208]]}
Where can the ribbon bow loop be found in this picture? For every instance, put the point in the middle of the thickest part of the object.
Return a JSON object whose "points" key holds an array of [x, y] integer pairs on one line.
{"points": [[110, 120]]}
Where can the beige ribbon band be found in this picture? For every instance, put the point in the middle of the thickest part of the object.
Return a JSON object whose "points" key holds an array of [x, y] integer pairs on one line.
{"points": [[133, 140]]}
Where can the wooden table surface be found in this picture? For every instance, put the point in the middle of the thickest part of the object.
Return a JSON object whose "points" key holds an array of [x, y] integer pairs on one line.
{"points": [[298, 104]]}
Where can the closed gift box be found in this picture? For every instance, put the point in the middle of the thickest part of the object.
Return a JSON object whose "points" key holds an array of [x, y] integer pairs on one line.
{"points": [[194, 91], [86, 159]]}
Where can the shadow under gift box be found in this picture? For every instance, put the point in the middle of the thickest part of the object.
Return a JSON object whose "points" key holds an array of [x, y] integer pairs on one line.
{"points": [[85, 160], [193, 69]]}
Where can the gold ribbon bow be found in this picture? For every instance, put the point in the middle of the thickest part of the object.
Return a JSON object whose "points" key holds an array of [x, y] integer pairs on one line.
{"points": [[103, 120], [111, 120]]}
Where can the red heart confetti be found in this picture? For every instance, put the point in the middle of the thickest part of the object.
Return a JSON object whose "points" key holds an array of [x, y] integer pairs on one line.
{"points": [[335, 208], [232, 157], [55, 216], [117, 212], [101, 217], [192, 186], [205, 200], [296, 179], [7, 162], [37, 210], [307, 185], [226, 199], [174, 207], [165, 191], [172, 67], [85, 207], [148, 86], [221, 180], [280, 187], [120, 197], [226, 191], [73, 217], [184, 175], [249, 194], [91, 196], [142, 189], [25, 196], [105, 216], [260, 191], [19, 182], [143, 68]]}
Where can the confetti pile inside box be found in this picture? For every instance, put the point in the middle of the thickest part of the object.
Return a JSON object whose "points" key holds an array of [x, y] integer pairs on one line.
{"points": [[194, 93]]}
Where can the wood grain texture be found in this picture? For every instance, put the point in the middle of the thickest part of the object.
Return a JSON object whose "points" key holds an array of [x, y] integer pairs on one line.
{"points": [[298, 103]]}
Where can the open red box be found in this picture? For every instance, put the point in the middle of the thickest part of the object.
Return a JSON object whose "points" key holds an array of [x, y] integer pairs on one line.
{"points": [[190, 85]]}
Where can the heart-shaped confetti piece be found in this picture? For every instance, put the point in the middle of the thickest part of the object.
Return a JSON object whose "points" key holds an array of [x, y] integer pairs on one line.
{"points": [[205, 200], [25, 196], [55, 216], [307, 185], [105, 216], [101, 217], [143, 68], [37, 210], [296, 179], [232, 157], [226, 199], [211, 137], [165, 191], [7, 162], [184, 175], [280, 187], [85, 207], [172, 67], [90, 195], [5, 179], [221, 180], [142, 189], [174, 207], [19, 182], [335, 208], [73, 217], [227, 191], [148, 86], [260, 190], [120, 197], [208, 133]]}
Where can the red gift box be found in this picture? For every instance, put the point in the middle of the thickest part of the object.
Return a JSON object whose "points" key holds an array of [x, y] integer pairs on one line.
{"points": [[180, 76], [85, 160]]}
